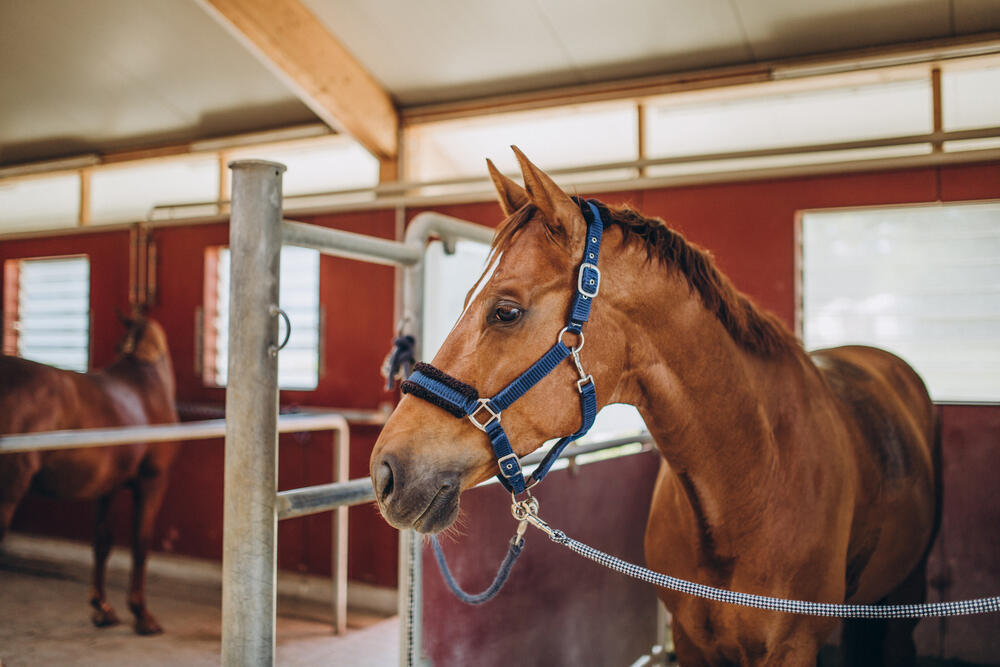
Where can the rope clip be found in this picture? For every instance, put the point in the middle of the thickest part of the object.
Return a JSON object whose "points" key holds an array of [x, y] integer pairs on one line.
{"points": [[526, 511]]}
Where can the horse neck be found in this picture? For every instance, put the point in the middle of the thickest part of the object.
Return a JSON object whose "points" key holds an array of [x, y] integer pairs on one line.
{"points": [[155, 380], [717, 410]]}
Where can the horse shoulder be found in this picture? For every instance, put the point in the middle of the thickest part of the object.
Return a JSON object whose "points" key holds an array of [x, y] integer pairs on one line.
{"points": [[889, 417]]}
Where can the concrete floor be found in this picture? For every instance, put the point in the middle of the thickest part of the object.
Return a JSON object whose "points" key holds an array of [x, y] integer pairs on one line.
{"points": [[45, 620]]}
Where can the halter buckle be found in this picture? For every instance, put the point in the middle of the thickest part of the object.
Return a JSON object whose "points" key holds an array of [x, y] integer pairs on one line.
{"points": [[484, 404], [588, 280], [514, 471]]}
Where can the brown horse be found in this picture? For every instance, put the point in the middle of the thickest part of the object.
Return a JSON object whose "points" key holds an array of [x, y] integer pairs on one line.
{"points": [[786, 474], [138, 388]]}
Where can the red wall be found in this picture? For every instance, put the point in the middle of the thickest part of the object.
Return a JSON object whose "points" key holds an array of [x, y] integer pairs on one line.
{"points": [[749, 227]]}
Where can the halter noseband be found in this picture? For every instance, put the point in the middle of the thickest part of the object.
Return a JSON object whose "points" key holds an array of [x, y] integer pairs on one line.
{"points": [[462, 400]]}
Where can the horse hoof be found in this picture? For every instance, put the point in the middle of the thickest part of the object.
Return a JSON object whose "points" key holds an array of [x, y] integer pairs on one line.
{"points": [[147, 626], [104, 617]]}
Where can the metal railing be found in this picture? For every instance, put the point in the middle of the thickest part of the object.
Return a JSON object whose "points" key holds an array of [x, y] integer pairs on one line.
{"points": [[257, 231], [310, 420], [252, 505]]}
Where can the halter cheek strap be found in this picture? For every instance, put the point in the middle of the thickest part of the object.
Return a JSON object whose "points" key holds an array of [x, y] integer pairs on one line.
{"points": [[462, 400]]}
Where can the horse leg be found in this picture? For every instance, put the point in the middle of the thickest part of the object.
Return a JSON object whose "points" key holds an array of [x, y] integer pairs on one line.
{"points": [[899, 648], [103, 615], [688, 654], [882, 641], [148, 494], [16, 471]]}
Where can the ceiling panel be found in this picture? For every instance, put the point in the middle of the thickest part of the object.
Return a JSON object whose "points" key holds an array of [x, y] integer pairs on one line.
{"points": [[440, 50], [972, 16], [446, 49], [784, 28], [105, 75]]}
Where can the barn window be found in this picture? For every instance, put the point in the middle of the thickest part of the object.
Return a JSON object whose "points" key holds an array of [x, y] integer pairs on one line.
{"points": [[920, 281], [298, 362], [44, 202], [46, 311], [317, 166], [129, 192], [555, 138], [784, 114]]}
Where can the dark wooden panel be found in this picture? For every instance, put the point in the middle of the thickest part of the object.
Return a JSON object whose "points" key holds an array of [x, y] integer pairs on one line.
{"points": [[557, 608]]}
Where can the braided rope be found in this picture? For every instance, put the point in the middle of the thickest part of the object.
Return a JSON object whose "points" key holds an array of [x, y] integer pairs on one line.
{"points": [[513, 551], [958, 608]]}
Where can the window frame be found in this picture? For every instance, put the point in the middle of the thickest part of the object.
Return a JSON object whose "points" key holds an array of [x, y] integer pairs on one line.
{"points": [[799, 265], [10, 315], [207, 337]]}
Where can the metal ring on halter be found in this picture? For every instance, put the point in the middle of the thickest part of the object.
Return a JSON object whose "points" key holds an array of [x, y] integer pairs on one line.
{"points": [[578, 333]]}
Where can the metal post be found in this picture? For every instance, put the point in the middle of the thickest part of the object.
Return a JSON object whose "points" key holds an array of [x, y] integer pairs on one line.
{"points": [[422, 227], [338, 563], [410, 544], [250, 521]]}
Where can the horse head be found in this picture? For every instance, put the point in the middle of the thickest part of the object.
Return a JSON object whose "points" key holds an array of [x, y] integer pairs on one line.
{"points": [[425, 457], [144, 340]]}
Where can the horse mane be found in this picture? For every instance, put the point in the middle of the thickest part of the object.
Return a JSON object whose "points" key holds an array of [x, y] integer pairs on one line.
{"points": [[753, 328]]}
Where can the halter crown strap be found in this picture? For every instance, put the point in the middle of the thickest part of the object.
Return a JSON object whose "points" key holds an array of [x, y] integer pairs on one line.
{"points": [[462, 400]]}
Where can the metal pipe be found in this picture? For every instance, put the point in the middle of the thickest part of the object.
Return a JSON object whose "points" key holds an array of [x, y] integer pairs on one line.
{"points": [[324, 497], [197, 430], [348, 244], [383, 190], [420, 229], [735, 175], [250, 521], [338, 529]]}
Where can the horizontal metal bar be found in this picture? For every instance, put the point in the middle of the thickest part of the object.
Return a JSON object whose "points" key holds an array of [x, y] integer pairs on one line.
{"points": [[401, 187], [325, 497], [123, 435], [348, 244], [581, 448], [449, 229]]}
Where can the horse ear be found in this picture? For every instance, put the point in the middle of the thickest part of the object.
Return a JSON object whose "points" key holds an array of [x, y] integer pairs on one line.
{"points": [[123, 318], [543, 192], [511, 195]]}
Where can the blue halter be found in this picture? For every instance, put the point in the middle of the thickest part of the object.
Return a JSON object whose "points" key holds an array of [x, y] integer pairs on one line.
{"points": [[462, 400]]}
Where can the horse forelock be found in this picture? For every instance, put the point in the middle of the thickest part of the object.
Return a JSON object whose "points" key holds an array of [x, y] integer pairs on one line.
{"points": [[750, 326]]}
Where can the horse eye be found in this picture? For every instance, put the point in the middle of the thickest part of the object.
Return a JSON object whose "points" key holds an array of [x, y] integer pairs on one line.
{"points": [[506, 313]]}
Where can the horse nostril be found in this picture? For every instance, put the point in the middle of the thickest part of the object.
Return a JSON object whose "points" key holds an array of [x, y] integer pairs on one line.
{"points": [[384, 480]]}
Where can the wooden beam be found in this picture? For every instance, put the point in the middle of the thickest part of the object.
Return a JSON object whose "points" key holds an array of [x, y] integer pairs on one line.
{"points": [[938, 124], [293, 43], [83, 214]]}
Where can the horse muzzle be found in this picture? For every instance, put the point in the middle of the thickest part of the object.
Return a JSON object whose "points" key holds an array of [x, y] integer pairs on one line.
{"points": [[413, 496]]}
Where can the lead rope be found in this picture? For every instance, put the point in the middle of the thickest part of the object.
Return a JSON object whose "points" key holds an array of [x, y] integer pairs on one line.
{"points": [[513, 551], [529, 510]]}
